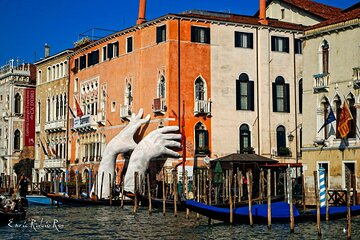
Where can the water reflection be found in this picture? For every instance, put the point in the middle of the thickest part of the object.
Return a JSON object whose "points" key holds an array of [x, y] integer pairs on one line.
{"points": [[117, 223]]}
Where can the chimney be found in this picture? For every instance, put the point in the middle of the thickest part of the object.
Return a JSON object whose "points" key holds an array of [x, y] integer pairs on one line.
{"points": [[142, 9], [47, 50], [262, 13]]}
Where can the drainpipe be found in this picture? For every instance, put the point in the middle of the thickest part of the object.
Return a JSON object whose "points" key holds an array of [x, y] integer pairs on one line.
{"points": [[257, 91], [296, 106]]}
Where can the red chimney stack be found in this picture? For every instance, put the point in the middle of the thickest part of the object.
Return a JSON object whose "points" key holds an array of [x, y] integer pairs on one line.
{"points": [[262, 15], [142, 9]]}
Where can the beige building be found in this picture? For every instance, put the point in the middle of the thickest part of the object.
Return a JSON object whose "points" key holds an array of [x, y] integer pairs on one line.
{"points": [[331, 76], [51, 114], [17, 95]]}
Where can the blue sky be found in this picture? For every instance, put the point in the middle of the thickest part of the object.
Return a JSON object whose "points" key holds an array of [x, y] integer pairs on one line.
{"points": [[26, 25]]}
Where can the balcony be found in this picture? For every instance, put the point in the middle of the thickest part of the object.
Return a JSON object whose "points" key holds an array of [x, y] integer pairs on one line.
{"points": [[356, 77], [55, 163], [100, 118], [55, 126], [159, 105], [85, 123], [202, 107], [321, 82], [37, 127], [125, 111]]}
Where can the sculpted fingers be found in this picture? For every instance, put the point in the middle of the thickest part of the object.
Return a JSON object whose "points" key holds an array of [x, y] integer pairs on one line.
{"points": [[171, 153], [172, 136], [168, 129], [171, 144]]}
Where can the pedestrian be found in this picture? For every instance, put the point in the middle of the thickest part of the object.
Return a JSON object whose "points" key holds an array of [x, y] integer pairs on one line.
{"points": [[23, 186]]}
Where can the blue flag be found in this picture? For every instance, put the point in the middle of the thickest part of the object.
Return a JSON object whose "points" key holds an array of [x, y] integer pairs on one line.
{"points": [[330, 118]]}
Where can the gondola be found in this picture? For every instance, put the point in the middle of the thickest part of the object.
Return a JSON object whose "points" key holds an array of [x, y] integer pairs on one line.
{"points": [[87, 201], [280, 212], [6, 217]]}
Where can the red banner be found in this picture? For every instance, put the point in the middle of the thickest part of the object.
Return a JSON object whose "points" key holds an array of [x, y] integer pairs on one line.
{"points": [[29, 117]]}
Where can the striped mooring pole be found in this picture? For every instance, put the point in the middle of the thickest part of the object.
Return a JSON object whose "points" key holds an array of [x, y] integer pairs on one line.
{"points": [[90, 181], [66, 181], [322, 186], [61, 183]]}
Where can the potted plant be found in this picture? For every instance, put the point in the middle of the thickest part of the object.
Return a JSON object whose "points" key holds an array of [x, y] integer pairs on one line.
{"points": [[203, 150], [249, 150], [284, 151]]}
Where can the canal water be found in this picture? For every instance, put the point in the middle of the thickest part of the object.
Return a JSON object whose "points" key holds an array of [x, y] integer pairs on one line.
{"points": [[64, 222]]}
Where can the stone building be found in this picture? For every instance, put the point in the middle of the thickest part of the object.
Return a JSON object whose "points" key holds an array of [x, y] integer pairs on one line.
{"points": [[51, 114], [17, 107], [331, 77]]}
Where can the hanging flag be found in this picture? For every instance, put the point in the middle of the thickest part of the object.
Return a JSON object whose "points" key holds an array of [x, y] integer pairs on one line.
{"points": [[44, 149], [79, 112], [345, 116], [330, 118], [71, 112]]}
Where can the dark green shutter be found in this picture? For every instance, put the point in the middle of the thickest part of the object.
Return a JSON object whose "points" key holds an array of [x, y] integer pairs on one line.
{"points": [[238, 103], [206, 134], [207, 35], [274, 97], [193, 33], [287, 98], [251, 96], [251, 41], [286, 44], [110, 50], [272, 43], [237, 39], [158, 34]]}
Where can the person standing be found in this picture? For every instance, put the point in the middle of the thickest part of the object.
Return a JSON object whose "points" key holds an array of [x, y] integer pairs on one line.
{"points": [[23, 186]]}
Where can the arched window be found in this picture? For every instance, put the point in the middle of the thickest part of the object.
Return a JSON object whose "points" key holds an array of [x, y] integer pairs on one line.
{"points": [[281, 98], [201, 139], [17, 107], [325, 57], [57, 104], [245, 138], [300, 95], [85, 176], [17, 142], [244, 93], [200, 90], [48, 75], [48, 109], [161, 88], [128, 95], [281, 141]]}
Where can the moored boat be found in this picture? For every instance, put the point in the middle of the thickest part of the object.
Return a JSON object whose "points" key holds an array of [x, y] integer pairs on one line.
{"points": [[280, 212], [5, 217]]}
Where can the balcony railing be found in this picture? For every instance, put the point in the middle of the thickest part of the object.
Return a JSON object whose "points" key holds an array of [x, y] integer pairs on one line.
{"points": [[55, 163], [321, 82], [100, 118], [15, 68], [55, 126], [202, 107], [159, 105], [85, 123], [37, 164], [125, 111], [356, 77]]}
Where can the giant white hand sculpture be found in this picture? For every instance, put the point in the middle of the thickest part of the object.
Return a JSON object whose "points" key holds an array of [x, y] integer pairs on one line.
{"points": [[121, 143], [155, 144]]}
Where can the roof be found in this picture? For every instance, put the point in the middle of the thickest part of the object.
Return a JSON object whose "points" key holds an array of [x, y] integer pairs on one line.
{"points": [[240, 19], [318, 9], [236, 157], [347, 15]]}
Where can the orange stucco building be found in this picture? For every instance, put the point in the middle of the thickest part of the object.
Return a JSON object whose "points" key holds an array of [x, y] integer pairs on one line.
{"points": [[160, 66]]}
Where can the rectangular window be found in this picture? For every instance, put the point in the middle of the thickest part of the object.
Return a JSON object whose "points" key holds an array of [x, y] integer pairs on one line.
{"points": [[129, 44], [110, 50], [200, 34], [104, 53], [93, 58], [243, 40], [82, 62], [113, 106], [279, 44], [298, 46], [116, 49], [161, 34], [280, 98], [76, 67]]}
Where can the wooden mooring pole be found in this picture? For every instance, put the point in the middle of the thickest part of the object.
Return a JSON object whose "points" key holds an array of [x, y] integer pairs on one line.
{"points": [[149, 192], [136, 183], [187, 193], [102, 182], [163, 191], [77, 183], [303, 191], [348, 197], [230, 197], [269, 196], [175, 181], [111, 190], [292, 226], [122, 192], [249, 186], [317, 199]]}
